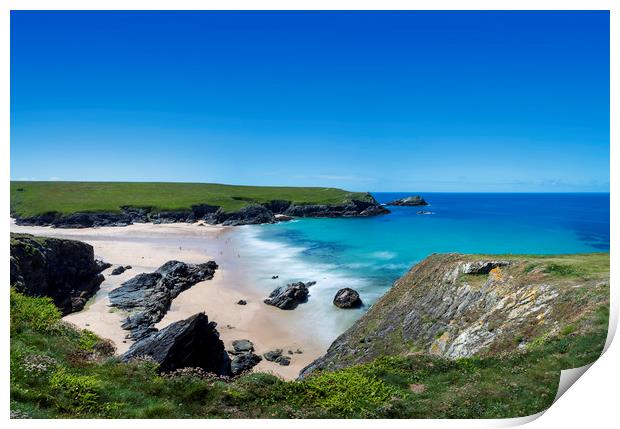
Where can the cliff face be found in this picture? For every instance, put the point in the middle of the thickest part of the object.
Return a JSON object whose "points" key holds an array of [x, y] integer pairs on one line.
{"points": [[64, 270], [252, 214], [463, 305]]}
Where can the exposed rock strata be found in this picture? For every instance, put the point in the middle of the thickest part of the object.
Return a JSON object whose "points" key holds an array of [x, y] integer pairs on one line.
{"points": [[458, 306], [257, 213], [147, 296], [64, 270], [193, 342]]}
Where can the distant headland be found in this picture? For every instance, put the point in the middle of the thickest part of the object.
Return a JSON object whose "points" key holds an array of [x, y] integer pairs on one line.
{"points": [[89, 204]]}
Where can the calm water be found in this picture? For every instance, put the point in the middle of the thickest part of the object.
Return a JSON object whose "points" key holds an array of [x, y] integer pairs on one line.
{"points": [[368, 254]]}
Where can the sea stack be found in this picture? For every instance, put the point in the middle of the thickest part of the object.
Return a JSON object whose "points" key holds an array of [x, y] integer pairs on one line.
{"points": [[414, 200]]}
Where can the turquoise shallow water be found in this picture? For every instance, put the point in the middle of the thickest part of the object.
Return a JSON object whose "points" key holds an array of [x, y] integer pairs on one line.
{"points": [[368, 254]]}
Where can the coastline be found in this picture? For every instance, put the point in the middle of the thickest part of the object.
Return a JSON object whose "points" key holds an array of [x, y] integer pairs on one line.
{"points": [[147, 246]]}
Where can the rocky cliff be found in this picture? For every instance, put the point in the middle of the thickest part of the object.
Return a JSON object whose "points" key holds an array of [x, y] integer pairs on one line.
{"points": [[251, 214], [64, 270], [457, 306]]}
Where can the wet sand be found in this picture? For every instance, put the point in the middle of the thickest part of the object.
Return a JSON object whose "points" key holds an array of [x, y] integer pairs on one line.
{"points": [[146, 247]]}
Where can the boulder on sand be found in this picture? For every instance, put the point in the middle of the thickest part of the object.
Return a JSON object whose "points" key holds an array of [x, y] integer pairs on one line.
{"points": [[289, 296], [118, 270], [244, 362], [244, 357], [241, 346], [347, 298], [277, 357], [193, 342]]}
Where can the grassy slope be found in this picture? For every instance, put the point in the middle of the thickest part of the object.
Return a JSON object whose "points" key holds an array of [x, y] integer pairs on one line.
{"points": [[33, 198], [79, 382]]}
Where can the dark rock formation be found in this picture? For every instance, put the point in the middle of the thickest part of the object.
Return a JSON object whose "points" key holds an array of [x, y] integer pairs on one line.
{"points": [[272, 355], [244, 362], [347, 298], [254, 214], [64, 270], [118, 270], [148, 296], [289, 296], [193, 342], [351, 209], [242, 302], [277, 357], [244, 358], [409, 201], [283, 361], [241, 346], [270, 212], [102, 265]]}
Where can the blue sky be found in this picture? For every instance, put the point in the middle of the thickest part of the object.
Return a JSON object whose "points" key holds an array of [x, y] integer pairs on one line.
{"points": [[379, 101]]}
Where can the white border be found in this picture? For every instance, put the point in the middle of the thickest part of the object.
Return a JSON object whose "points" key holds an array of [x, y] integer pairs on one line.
{"points": [[590, 402]]}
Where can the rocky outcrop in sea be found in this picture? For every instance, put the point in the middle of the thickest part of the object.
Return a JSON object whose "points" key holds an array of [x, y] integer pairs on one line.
{"points": [[64, 270], [289, 296], [193, 342], [347, 298], [270, 212], [147, 297], [409, 201]]}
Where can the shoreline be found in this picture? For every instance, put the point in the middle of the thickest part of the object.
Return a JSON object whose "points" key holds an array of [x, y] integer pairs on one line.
{"points": [[147, 246]]}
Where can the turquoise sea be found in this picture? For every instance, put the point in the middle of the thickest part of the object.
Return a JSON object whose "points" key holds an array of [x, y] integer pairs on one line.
{"points": [[368, 254]]}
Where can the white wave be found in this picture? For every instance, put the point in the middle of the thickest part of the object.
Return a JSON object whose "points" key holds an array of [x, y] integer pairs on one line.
{"points": [[384, 254], [318, 318]]}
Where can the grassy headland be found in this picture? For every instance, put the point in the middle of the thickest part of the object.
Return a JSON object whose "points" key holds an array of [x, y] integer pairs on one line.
{"points": [[36, 198]]}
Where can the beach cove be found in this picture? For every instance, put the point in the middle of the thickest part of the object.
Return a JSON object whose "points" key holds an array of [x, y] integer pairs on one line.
{"points": [[147, 246]]}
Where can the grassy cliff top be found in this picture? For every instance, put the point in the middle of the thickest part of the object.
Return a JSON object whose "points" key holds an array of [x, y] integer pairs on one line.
{"points": [[35, 198]]}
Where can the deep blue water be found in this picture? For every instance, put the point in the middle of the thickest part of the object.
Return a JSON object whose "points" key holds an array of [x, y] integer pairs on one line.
{"points": [[370, 253]]}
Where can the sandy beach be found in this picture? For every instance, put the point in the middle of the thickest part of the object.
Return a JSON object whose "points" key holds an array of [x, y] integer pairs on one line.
{"points": [[147, 246]]}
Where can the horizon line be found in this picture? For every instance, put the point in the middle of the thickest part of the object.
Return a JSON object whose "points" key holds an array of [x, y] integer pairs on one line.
{"points": [[332, 187]]}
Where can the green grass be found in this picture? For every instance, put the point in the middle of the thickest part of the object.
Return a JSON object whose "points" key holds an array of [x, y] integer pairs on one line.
{"points": [[574, 265], [58, 371], [35, 198]]}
